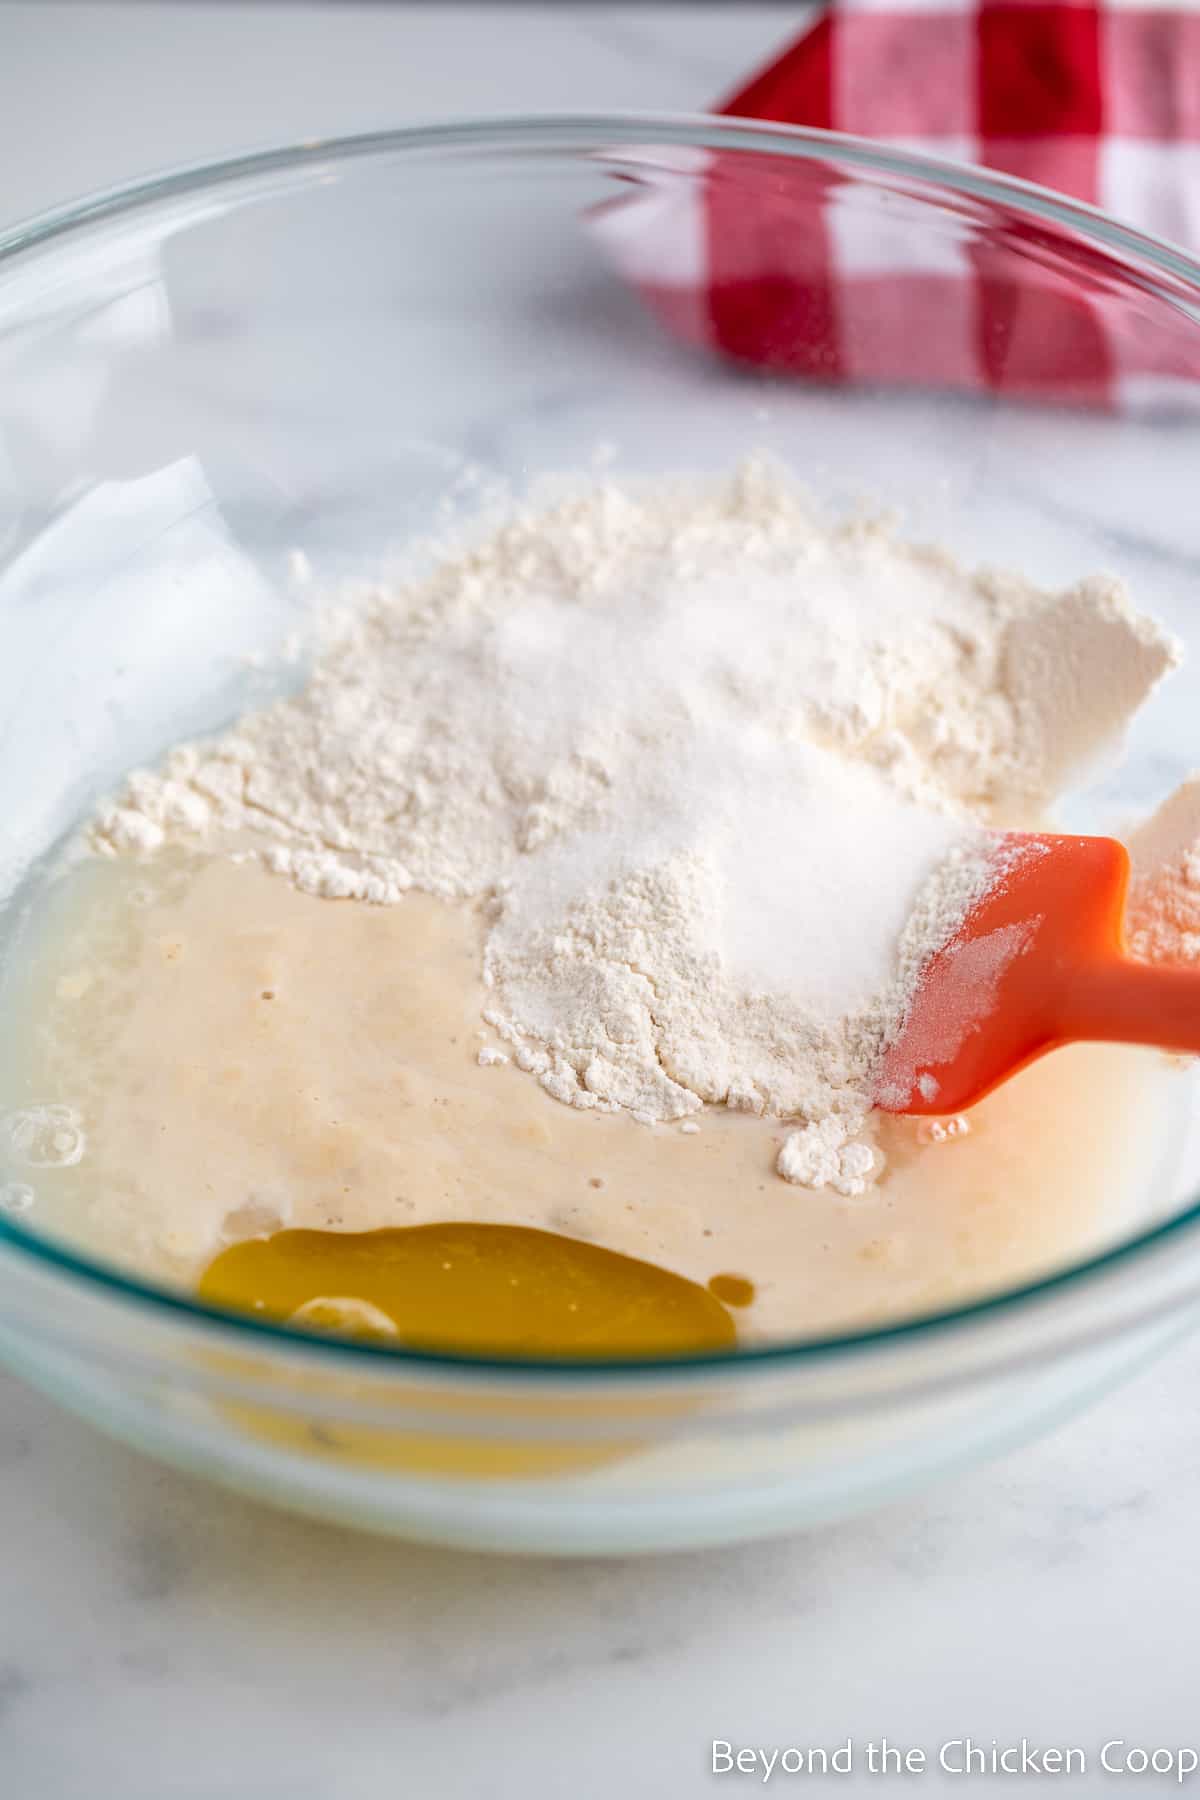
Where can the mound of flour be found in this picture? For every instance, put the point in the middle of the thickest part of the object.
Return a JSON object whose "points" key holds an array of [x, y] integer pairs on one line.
{"points": [[1162, 914], [717, 768]]}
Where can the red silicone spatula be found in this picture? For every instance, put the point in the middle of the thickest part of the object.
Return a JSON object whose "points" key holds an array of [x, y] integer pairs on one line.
{"points": [[1039, 961]]}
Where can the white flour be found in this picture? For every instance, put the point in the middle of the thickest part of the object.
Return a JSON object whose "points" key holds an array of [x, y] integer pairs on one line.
{"points": [[1162, 918], [718, 769]]}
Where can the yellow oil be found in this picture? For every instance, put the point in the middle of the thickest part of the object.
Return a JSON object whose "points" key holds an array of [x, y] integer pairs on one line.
{"points": [[505, 1290], [734, 1290]]}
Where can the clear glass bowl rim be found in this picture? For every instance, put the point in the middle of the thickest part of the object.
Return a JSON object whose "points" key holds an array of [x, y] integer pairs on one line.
{"points": [[597, 132]]}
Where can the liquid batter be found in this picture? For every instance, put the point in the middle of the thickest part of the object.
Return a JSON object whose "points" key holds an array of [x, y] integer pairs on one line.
{"points": [[199, 1055]]}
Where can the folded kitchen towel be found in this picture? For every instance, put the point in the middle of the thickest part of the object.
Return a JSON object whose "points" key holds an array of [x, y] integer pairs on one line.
{"points": [[802, 272]]}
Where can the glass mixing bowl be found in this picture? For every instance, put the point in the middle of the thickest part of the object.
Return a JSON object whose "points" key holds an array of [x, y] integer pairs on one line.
{"points": [[308, 350]]}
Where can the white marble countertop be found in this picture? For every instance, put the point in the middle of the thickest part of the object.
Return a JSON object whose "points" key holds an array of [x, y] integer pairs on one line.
{"points": [[158, 1638]]}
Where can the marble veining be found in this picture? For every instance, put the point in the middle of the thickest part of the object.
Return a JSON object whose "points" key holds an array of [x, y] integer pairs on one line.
{"points": [[144, 1615], [158, 1637]]}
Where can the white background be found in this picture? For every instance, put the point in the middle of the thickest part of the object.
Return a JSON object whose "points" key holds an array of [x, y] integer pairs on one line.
{"points": [[159, 1639], [91, 94]]}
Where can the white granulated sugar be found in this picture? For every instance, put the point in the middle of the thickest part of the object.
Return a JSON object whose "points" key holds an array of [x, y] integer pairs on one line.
{"points": [[699, 952], [718, 768]]}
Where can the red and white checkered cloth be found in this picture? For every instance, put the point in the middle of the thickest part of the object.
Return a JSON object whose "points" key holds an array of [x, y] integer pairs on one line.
{"points": [[1101, 101]]}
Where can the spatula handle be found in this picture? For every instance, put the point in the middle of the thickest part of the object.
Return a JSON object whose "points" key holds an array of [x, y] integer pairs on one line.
{"points": [[1125, 1002]]}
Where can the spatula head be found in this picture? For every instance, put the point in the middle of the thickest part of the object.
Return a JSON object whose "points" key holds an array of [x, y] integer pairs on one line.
{"points": [[996, 995]]}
